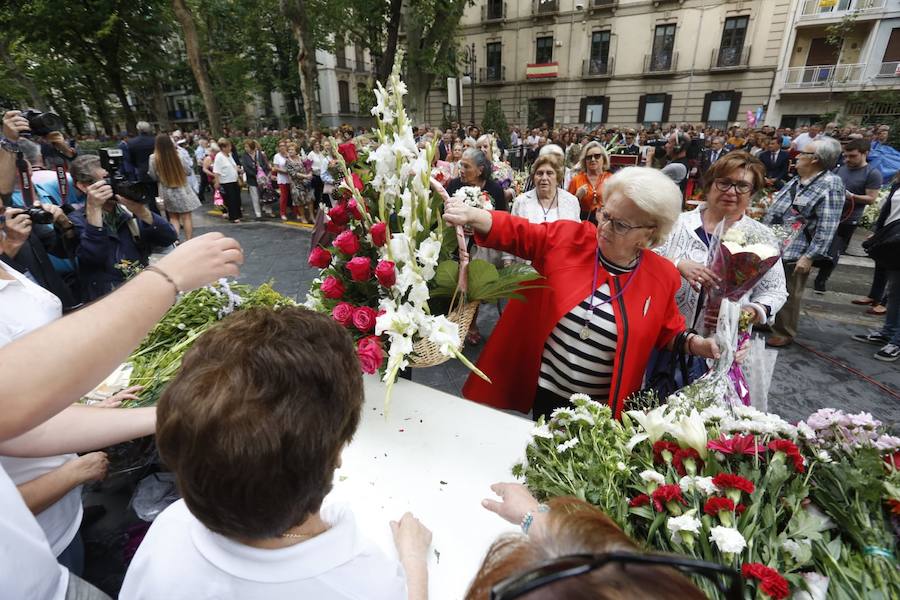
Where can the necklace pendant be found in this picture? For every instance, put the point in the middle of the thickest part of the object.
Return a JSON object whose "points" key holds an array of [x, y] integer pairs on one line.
{"points": [[585, 332]]}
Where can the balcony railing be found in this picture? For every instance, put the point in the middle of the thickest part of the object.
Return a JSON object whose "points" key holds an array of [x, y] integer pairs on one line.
{"points": [[890, 69], [824, 76], [340, 62], [492, 74], [813, 9], [660, 62], [597, 68], [730, 58], [491, 12], [598, 4], [544, 7]]}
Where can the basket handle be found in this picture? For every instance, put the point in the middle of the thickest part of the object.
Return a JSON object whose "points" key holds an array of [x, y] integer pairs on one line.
{"points": [[462, 283]]}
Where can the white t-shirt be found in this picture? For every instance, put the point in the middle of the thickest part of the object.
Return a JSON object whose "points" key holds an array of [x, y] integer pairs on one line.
{"points": [[225, 168], [24, 307], [180, 559], [280, 161], [803, 139], [28, 569]]}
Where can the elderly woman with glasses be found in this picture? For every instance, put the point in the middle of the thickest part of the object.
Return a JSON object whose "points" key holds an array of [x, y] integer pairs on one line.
{"points": [[606, 301], [592, 172]]}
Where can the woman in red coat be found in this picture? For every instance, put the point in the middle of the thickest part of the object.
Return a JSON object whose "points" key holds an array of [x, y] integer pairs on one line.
{"points": [[605, 303]]}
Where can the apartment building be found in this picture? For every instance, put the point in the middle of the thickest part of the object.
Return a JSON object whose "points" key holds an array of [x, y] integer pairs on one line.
{"points": [[619, 62], [344, 79], [836, 58]]}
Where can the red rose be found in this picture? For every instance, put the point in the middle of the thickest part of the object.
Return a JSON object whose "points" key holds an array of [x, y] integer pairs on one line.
{"points": [[353, 207], [386, 273], [342, 313], [332, 287], [360, 268], [319, 258], [687, 454], [379, 233], [364, 318], [665, 494], [716, 504], [370, 354], [664, 446], [339, 215], [347, 243], [335, 229], [639, 500]]}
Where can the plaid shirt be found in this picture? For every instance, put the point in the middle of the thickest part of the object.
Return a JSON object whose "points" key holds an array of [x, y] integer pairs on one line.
{"points": [[819, 203]]}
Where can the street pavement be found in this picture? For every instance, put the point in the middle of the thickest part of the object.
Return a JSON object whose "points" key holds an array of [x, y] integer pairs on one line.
{"points": [[825, 368]]}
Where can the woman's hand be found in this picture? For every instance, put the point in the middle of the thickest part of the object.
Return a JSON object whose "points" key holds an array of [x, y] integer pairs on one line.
{"points": [[202, 260], [697, 275], [115, 401], [89, 467], [580, 192], [411, 538], [704, 347], [458, 213], [515, 501]]}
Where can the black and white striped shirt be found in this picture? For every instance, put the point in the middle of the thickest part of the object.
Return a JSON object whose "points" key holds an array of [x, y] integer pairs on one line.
{"points": [[571, 365]]}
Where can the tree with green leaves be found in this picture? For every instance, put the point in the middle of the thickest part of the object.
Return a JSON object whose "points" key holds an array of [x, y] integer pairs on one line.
{"points": [[198, 65]]}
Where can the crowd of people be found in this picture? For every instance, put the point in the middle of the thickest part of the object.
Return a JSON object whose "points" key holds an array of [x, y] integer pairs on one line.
{"points": [[626, 284]]}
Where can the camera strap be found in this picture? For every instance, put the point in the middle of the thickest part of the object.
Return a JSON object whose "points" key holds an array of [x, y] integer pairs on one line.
{"points": [[63, 182], [25, 184]]}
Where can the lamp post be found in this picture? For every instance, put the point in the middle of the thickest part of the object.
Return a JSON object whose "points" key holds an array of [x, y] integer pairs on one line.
{"points": [[469, 59]]}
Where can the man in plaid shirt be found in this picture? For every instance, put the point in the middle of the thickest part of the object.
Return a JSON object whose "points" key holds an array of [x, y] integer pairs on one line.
{"points": [[817, 196]]}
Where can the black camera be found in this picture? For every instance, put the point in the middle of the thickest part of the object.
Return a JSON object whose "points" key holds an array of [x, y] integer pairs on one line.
{"points": [[112, 160], [39, 216], [41, 123]]}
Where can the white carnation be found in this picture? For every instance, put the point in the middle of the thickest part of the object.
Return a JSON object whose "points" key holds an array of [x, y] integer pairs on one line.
{"points": [[651, 475], [727, 539], [686, 523]]}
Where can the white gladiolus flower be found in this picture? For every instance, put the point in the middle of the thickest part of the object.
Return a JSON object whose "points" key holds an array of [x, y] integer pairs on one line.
{"points": [[651, 475], [727, 539], [444, 333], [400, 248], [682, 528], [429, 251], [691, 431], [792, 548]]}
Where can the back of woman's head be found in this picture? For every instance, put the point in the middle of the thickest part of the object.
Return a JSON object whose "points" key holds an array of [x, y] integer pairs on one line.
{"points": [[168, 164], [575, 527]]}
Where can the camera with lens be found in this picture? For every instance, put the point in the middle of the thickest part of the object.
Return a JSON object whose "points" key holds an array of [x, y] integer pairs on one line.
{"points": [[39, 216], [41, 123], [112, 160]]}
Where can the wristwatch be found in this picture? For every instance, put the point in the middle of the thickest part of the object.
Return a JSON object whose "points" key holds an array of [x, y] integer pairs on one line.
{"points": [[9, 145]]}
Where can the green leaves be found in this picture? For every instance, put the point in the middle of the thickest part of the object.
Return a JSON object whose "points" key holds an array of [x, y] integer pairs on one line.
{"points": [[486, 283]]}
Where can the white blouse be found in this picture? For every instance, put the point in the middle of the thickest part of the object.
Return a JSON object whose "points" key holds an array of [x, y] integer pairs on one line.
{"points": [[527, 206], [225, 168]]}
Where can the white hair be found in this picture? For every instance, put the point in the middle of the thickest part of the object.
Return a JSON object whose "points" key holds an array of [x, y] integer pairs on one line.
{"points": [[827, 151], [652, 192], [144, 127], [552, 149]]}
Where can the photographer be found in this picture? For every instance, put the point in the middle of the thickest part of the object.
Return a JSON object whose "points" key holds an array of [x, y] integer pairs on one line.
{"points": [[140, 147], [113, 230]]}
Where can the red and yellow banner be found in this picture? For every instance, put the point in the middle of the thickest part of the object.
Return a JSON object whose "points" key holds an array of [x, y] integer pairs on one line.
{"points": [[541, 70]]}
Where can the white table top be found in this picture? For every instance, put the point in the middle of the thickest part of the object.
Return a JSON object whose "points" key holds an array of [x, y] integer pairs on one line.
{"points": [[435, 455]]}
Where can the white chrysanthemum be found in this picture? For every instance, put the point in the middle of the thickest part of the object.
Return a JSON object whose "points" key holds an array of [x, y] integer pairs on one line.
{"points": [[563, 412], [713, 414], [735, 236], [575, 397], [823, 456], [654, 476], [567, 445], [686, 523], [620, 466], [807, 432], [727, 539], [541, 432]]}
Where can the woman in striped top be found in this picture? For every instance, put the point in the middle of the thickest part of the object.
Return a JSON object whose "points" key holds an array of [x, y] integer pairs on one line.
{"points": [[606, 301]]}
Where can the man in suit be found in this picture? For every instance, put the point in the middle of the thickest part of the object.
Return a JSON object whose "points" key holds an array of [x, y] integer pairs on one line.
{"points": [[776, 162], [446, 145], [140, 147], [716, 151]]}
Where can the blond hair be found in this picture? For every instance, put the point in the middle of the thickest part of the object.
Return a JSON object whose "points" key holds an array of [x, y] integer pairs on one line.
{"points": [[652, 192], [604, 164]]}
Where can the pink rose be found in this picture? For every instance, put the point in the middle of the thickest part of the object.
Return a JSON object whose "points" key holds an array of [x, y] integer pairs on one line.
{"points": [[343, 313], [386, 273], [332, 287], [379, 233], [353, 207], [347, 243], [364, 318], [319, 258], [370, 354], [338, 215], [360, 268]]}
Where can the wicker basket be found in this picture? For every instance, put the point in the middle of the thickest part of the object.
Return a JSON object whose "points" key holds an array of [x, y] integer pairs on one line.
{"points": [[427, 354]]}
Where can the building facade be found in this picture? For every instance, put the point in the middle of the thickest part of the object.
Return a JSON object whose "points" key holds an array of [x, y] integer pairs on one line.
{"points": [[836, 59], [619, 62], [345, 79]]}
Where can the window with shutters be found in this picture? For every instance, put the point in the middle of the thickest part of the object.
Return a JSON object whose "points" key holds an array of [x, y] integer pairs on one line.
{"points": [[733, 35], [544, 50], [654, 108], [599, 64], [720, 108], [593, 111], [344, 96]]}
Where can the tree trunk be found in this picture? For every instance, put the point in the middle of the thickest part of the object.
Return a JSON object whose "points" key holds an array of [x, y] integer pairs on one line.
{"points": [[295, 11], [115, 79], [393, 34], [160, 108], [37, 100], [186, 19], [99, 104]]}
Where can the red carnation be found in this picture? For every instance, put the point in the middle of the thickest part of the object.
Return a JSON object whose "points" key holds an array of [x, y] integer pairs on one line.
{"points": [[379, 233], [639, 500], [342, 313], [370, 354], [332, 287], [360, 268], [668, 495], [689, 454], [716, 504], [386, 273], [353, 207], [771, 583], [789, 449], [364, 318], [319, 258], [347, 243], [339, 215], [664, 446], [733, 485], [739, 509]]}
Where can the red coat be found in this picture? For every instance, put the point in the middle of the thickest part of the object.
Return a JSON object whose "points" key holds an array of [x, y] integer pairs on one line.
{"points": [[564, 253]]}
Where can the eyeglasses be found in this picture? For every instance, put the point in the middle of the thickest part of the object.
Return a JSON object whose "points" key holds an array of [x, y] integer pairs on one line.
{"points": [[741, 187], [618, 227], [593, 157], [806, 154], [553, 570]]}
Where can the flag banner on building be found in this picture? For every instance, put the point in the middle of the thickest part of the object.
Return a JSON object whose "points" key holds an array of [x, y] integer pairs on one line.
{"points": [[541, 70]]}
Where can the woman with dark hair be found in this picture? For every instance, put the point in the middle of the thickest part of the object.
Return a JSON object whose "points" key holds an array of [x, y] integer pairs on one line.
{"points": [[475, 170], [567, 533], [254, 161], [171, 171]]}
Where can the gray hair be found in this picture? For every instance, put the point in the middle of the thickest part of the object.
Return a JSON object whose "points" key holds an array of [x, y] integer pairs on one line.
{"points": [[551, 149], [84, 167], [478, 158], [31, 151], [144, 127], [827, 152], [652, 192], [719, 139]]}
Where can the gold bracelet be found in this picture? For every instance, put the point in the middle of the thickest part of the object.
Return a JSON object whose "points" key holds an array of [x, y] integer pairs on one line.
{"points": [[158, 271]]}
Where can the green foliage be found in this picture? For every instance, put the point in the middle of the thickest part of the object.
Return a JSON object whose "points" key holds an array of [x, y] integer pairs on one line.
{"points": [[486, 283], [494, 120]]}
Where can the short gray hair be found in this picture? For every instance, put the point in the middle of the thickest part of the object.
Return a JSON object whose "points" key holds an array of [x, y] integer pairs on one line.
{"points": [[144, 127], [652, 192], [31, 151], [83, 168], [827, 152], [479, 160], [552, 149]]}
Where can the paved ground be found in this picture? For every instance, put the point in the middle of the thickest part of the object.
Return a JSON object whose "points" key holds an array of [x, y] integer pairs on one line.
{"points": [[825, 367]]}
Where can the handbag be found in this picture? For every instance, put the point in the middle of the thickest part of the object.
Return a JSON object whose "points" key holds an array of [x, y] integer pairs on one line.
{"points": [[884, 246], [667, 370], [217, 198]]}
